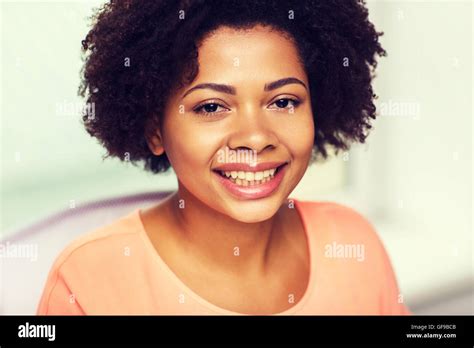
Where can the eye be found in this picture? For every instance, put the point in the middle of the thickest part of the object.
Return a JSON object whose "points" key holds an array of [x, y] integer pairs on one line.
{"points": [[286, 103], [208, 109]]}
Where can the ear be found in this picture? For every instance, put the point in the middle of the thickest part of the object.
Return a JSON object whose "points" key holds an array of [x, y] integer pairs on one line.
{"points": [[154, 139]]}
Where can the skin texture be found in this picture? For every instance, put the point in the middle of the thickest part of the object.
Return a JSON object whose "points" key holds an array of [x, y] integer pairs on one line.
{"points": [[273, 258]]}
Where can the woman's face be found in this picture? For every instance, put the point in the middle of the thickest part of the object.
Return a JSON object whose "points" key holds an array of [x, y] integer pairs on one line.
{"points": [[241, 117]]}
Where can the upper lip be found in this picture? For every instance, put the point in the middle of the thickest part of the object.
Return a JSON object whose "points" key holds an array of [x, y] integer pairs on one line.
{"points": [[246, 167]]}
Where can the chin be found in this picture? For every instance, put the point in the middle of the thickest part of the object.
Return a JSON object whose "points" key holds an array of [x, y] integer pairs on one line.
{"points": [[253, 211]]}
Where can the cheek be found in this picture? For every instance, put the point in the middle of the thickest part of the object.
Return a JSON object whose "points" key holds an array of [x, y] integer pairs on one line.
{"points": [[298, 136], [189, 149]]}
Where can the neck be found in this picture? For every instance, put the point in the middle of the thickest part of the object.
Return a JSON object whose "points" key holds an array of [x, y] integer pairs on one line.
{"points": [[220, 242]]}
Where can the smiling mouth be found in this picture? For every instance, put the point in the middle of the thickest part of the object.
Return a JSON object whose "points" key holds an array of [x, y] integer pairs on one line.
{"points": [[246, 178]]}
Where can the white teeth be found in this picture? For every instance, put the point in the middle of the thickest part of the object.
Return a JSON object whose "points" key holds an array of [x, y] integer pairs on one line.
{"points": [[250, 178]]}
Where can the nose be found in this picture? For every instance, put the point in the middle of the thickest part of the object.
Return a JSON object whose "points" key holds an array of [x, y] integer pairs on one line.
{"points": [[252, 131]]}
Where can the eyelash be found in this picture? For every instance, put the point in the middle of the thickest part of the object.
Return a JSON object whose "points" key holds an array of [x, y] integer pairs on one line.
{"points": [[198, 109]]}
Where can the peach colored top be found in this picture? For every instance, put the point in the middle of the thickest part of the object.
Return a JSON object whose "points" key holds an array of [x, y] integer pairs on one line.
{"points": [[116, 270]]}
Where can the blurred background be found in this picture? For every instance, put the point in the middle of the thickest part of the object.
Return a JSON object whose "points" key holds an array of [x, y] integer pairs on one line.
{"points": [[412, 179]]}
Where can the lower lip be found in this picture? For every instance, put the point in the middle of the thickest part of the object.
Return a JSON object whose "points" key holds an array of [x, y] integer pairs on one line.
{"points": [[255, 191]]}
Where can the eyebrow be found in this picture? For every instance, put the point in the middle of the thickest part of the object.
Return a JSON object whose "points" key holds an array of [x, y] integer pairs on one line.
{"points": [[282, 82], [231, 89]]}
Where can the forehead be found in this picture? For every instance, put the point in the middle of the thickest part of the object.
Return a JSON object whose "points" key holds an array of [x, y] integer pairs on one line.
{"points": [[259, 53]]}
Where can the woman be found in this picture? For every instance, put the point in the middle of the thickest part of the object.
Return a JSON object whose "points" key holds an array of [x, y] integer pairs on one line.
{"points": [[238, 97]]}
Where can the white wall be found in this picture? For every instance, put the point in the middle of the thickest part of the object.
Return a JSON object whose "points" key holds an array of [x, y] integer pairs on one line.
{"points": [[418, 167]]}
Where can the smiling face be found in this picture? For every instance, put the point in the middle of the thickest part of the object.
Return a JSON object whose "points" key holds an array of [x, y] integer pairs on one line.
{"points": [[249, 105]]}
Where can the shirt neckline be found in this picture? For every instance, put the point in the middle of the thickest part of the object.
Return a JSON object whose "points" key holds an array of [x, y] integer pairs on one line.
{"points": [[219, 310]]}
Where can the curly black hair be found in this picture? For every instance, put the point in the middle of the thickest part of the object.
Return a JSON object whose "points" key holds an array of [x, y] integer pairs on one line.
{"points": [[159, 40]]}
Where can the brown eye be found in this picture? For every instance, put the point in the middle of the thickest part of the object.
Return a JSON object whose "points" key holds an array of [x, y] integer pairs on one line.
{"points": [[208, 109], [286, 103], [282, 103]]}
